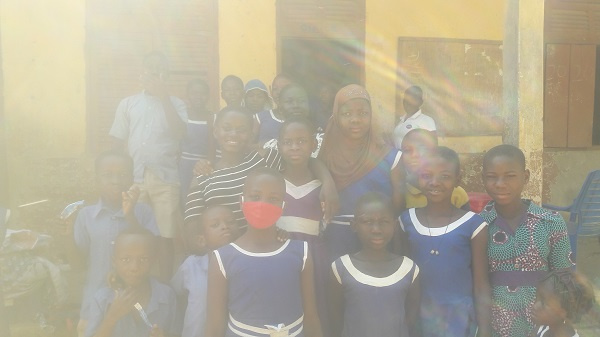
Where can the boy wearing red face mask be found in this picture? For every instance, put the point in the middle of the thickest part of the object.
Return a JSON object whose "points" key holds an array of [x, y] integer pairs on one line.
{"points": [[259, 285]]}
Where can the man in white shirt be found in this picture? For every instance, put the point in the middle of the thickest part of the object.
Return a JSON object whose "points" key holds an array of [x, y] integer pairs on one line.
{"points": [[414, 118]]}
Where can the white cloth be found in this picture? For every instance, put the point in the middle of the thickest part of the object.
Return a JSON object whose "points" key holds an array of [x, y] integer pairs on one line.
{"points": [[417, 121]]}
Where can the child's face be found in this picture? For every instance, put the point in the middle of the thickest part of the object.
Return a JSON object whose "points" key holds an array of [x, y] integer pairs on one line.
{"points": [[265, 188], [355, 118], [437, 179], [219, 227], [278, 84], [374, 225], [232, 92], [256, 100], [296, 144], [547, 309], [233, 132], [114, 176], [197, 96], [294, 102], [414, 149], [133, 259], [504, 179]]}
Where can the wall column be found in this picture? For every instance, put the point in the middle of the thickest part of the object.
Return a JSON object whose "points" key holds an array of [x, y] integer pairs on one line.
{"points": [[247, 39], [524, 85]]}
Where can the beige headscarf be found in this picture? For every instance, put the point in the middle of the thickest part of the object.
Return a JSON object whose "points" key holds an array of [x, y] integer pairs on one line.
{"points": [[349, 165]]}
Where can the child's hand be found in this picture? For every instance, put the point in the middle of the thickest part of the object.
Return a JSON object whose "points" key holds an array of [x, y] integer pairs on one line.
{"points": [[156, 331], [282, 235], [122, 304], [330, 202], [203, 167], [130, 198]]}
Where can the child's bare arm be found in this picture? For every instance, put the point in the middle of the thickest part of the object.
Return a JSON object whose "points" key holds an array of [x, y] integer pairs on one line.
{"points": [[311, 318], [336, 306], [481, 282], [130, 199], [412, 308], [329, 194], [398, 180], [216, 317]]}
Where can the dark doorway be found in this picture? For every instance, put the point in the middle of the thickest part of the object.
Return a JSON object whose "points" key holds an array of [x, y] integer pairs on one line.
{"points": [[313, 61]]}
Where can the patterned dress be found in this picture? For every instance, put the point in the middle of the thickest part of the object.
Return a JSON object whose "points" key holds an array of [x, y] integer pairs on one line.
{"points": [[518, 260]]}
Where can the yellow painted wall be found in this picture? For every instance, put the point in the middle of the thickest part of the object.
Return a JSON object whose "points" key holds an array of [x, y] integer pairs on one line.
{"points": [[386, 21], [44, 84], [247, 39]]}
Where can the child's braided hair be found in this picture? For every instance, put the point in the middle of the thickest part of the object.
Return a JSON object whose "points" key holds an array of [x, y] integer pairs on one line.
{"points": [[575, 292]]}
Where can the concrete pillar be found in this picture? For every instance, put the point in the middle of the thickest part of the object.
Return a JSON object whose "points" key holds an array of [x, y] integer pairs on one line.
{"points": [[523, 90], [247, 39]]}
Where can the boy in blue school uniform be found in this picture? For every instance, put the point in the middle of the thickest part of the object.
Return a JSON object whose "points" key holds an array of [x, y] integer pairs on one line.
{"points": [[134, 304], [217, 227], [98, 225]]}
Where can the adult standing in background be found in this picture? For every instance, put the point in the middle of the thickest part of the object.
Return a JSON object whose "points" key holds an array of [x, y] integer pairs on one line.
{"points": [[151, 124], [413, 118]]}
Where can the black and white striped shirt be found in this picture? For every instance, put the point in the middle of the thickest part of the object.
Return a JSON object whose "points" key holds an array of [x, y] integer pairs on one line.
{"points": [[224, 186]]}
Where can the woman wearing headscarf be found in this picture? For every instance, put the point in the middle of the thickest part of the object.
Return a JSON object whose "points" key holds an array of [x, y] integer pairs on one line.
{"points": [[359, 162]]}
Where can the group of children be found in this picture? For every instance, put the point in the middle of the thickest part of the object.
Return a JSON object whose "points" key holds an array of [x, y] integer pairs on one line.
{"points": [[272, 254]]}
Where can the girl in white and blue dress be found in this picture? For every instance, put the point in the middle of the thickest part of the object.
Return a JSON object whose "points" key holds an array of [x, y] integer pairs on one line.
{"points": [[374, 292], [450, 247], [258, 285]]}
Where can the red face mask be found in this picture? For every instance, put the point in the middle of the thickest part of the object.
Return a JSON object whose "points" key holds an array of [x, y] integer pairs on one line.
{"points": [[261, 215]]}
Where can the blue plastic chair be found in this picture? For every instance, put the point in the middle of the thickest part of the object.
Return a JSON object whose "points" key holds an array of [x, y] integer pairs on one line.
{"points": [[585, 210]]}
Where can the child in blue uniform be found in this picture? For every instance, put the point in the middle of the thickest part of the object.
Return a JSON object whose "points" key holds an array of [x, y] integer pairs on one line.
{"points": [[217, 227], [450, 246], [303, 213], [359, 162], [374, 292], [113, 310], [561, 300], [197, 143], [416, 146], [258, 285], [98, 225]]}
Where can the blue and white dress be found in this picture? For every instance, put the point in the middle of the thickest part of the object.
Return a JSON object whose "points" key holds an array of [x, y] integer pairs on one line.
{"points": [[269, 126], [444, 256], [264, 289], [339, 236], [374, 306]]}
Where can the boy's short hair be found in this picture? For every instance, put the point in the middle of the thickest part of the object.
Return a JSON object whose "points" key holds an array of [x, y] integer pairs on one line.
{"points": [[238, 109], [414, 91], [112, 153], [300, 120], [156, 54], [372, 197], [504, 150], [259, 171], [448, 155], [198, 82], [422, 133], [234, 79], [292, 85], [140, 231]]}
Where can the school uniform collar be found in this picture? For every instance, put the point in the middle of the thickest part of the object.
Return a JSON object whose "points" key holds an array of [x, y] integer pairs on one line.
{"points": [[414, 116], [100, 207]]}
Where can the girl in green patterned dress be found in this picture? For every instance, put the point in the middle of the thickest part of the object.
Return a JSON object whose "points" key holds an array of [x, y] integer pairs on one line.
{"points": [[526, 242]]}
